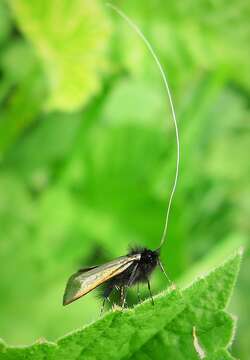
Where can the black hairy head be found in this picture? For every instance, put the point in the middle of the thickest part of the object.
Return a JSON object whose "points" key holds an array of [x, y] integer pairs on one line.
{"points": [[148, 256]]}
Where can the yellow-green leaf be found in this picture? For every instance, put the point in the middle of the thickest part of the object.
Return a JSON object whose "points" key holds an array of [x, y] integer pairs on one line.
{"points": [[70, 38]]}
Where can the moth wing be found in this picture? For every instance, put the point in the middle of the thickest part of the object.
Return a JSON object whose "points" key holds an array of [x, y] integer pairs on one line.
{"points": [[85, 280]]}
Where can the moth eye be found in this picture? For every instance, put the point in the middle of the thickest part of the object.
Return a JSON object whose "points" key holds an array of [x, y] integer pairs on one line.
{"points": [[150, 258]]}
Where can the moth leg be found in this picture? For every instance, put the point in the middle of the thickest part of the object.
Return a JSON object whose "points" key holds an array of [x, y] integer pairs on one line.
{"points": [[122, 296], [164, 272], [129, 283], [123, 288], [106, 294], [149, 289], [138, 293], [132, 276], [102, 308]]}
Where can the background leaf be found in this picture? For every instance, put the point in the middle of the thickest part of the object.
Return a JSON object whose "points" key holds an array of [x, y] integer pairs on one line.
{"points": [[70, 38]]}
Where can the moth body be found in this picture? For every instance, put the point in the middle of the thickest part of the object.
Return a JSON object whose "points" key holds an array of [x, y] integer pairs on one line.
{"points": [[118, 274]]}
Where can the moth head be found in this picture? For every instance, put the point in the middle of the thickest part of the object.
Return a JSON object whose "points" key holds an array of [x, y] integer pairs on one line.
{"points": [[150, 256]]}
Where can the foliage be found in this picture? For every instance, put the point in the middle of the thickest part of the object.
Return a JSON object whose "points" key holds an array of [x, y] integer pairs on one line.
{"points": [[70, 47], [78, 187], [168, 330]]}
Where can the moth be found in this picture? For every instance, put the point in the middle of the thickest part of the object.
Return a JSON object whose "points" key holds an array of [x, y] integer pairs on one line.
{"points": [[120, 274], [137, 266]]}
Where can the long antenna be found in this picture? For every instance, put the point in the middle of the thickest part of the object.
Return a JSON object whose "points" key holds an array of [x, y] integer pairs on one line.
{"points": [[164, 78]]}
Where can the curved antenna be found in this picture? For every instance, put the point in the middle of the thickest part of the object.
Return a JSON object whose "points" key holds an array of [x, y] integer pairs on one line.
{"points": [[164, 78]]}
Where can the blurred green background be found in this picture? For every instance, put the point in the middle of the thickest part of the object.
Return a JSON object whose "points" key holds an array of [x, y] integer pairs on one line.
{"points": [[87, 150]]}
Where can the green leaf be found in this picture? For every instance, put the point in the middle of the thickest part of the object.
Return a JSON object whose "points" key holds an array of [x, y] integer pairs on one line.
{"points": [[70, 37], [220, 355], [5, 22], [153, 332], [23, 83]]}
